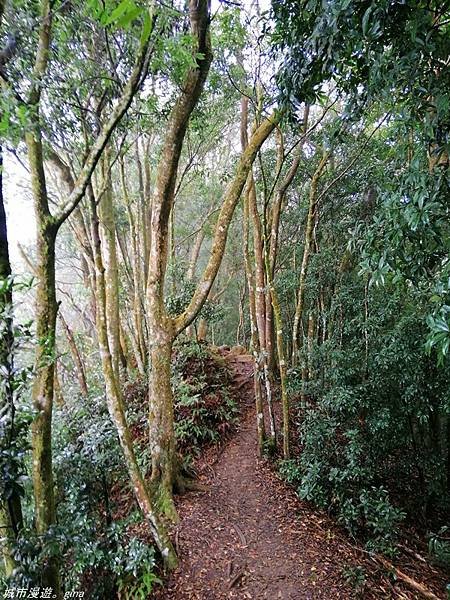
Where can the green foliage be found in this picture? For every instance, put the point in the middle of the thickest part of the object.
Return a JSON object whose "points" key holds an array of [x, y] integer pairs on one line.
{"points": [[13, 475], [179, 300], [372, 424], [409, 241], [204, 407], [369, 49], [100, 551], [98, 561], [15, 413], [439, 547], [356, 577], [229, 34]]}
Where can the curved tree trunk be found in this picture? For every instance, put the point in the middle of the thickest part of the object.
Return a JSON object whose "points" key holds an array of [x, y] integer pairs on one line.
{"points": [[116, 408], [161, 330]]}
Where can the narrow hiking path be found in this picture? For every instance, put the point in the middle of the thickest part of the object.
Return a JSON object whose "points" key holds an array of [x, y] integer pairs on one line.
{"points": [[243, 538], [248, 536]]}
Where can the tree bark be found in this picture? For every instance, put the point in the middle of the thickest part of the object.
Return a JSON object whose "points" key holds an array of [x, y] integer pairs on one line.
{"points": [[137, 335], [43, 386], [76, 357], [108, 235], [162, 435], [116, 409], [10, 503], [260, 312], [306, 254], [254, 339], [161, 330]]}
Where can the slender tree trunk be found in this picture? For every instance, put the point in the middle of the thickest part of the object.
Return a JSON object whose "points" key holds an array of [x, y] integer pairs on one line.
{"points": [[259, 279], [10, 502], [310, 343], [306, 255], [58, 394], [195, 253], [193, 259], [137, 336], [117, 413], [108, 235], [146, 213], [240, 330], [257, 375], [202, 329], [76, 357], [161, 327]]}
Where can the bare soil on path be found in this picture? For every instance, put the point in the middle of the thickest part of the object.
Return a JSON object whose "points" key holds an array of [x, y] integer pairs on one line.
{"points": [[249, 536]]}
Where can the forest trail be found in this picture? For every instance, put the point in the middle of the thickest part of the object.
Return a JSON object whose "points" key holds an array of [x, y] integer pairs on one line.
{"points": [[248, 536]]}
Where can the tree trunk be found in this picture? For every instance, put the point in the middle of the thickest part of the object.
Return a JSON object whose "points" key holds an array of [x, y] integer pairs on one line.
{"points": [[43, 386], [306, 255], [137, 334], [162, 435], [116, 409], [262, 364], [10, 504], [254, 339], [202, 329], [161, 329], [108, 235], [76, 357], [190, 275], [282, 370]]}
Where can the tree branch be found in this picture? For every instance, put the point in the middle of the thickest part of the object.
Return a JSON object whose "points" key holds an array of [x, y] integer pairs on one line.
{"points": [[139, 71], [232, 196]]}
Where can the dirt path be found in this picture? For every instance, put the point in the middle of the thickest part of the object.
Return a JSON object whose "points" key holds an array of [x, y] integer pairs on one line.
{"points": [[244, 537]]}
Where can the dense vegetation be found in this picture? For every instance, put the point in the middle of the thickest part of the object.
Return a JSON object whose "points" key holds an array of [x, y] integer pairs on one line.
{"points": [[207, 176]]}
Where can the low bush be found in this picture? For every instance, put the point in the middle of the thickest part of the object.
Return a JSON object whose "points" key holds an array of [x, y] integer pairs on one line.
{"points": [[372, 422], [205, 410]]}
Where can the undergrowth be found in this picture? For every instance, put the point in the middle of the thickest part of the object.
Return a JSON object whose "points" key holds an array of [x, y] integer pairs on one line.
{"points": [[98, 539], [204, 408]]}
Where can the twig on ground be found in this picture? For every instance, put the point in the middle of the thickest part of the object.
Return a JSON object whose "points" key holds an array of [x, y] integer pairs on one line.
{"points": [[236, 578], [240, 534]]}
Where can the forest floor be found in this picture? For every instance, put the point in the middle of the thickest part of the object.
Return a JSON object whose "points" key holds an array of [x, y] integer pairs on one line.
{"points": [[247, 535]]}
